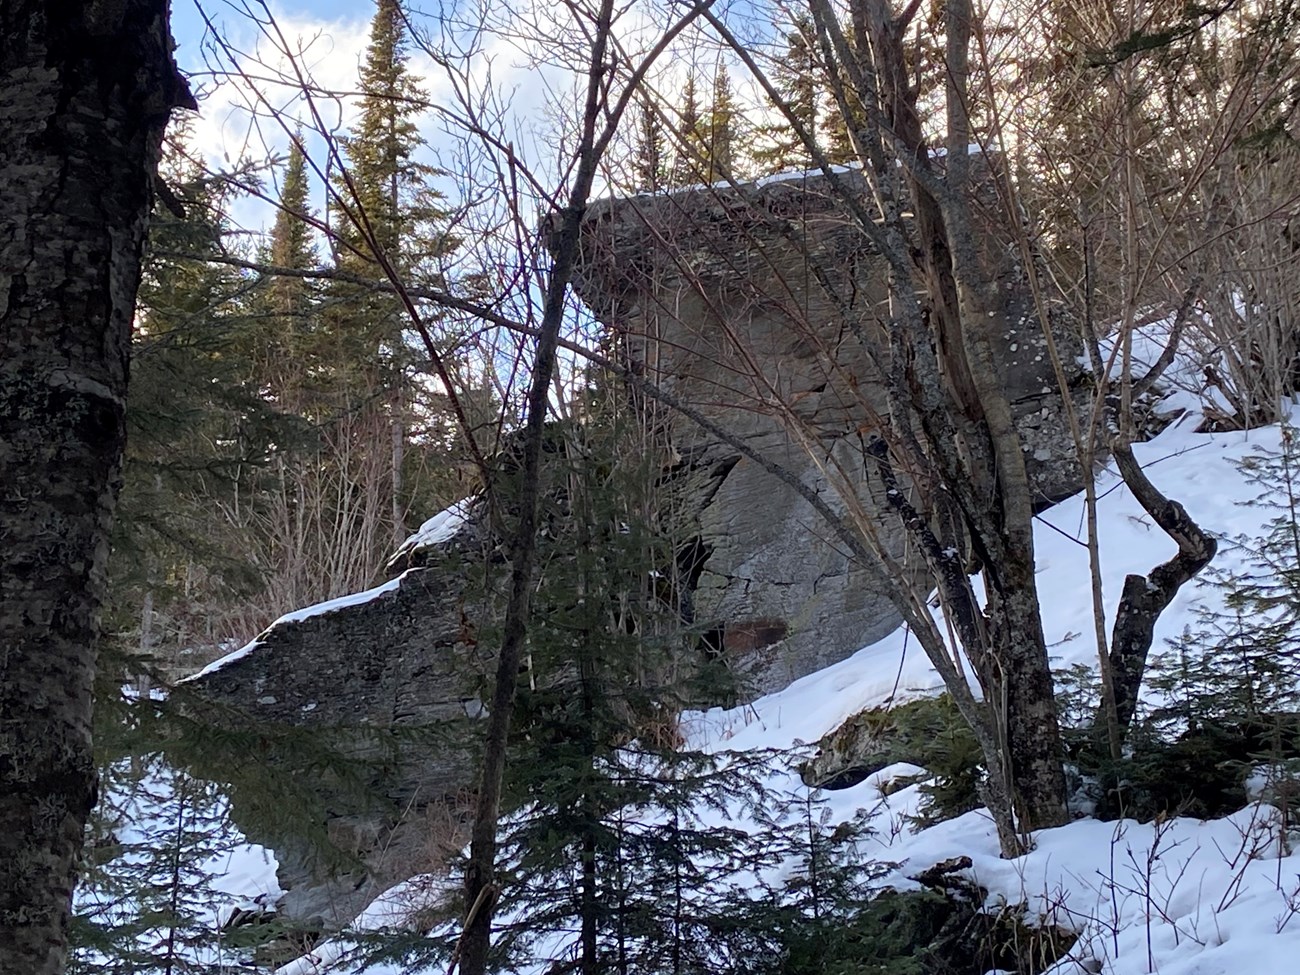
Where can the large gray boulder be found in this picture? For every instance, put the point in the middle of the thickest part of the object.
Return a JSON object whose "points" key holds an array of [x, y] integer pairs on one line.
{"points": [[388, 677], [732, 300], [727, 299]]}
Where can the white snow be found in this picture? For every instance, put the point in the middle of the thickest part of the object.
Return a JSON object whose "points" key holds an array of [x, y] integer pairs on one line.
{"points": [[397, 908], [800, 174], [442, 527], [1196, 469], [243, 874], [1179, 897], [297, 616]]}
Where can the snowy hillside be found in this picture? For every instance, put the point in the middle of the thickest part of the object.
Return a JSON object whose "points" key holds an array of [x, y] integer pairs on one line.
{"points": [[1181, 897]]}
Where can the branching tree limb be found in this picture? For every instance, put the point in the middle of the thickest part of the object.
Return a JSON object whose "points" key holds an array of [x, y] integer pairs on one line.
{"points": [[1145, 597]]}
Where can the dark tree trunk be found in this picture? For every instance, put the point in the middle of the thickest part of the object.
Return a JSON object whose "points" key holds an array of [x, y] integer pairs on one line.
{"points": [[86, 92], [1027, 710], [1145, 597]]}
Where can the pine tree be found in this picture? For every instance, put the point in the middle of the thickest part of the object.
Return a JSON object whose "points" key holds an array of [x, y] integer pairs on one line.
{"points": [[388, 221], [292, 299], [199, 430], [650, 152], [720, 129], [688, 141], [796, 77]]}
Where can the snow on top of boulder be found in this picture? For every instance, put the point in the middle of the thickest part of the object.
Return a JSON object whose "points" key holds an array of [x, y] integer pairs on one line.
{"points": [[442, 527], [297, 616], [810, 173]]}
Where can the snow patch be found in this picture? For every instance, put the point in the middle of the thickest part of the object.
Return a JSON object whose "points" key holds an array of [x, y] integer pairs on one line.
{"points": [[401, 907], [297, 616], [442, 527]]}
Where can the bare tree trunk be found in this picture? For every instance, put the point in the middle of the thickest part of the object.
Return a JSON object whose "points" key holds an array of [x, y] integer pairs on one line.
{"points": [[397, 430], [87, 91], [1145, 597], [480, 881], [1011, 651]]}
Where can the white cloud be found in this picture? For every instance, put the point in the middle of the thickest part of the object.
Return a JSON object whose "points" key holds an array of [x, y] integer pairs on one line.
{"points": [[250, 75]]}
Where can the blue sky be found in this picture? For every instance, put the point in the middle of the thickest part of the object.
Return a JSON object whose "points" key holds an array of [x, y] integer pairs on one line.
{"points": [[331, 37], [333, 34], [187, 23]]}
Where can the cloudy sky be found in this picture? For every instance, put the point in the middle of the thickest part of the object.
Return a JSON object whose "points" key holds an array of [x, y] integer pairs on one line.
{"points": [[516, 65], [328, 40]]}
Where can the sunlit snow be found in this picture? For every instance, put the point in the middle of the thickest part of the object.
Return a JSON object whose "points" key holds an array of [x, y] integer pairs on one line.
{"points": [[1182, 897]]}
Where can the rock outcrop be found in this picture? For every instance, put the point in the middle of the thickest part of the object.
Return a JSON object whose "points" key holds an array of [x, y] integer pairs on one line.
{"points": [[732, 300], [393, 669]]}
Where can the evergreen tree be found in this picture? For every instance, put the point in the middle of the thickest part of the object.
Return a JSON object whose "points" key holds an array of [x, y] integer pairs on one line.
{"points": [[650, 152], [147, 902], [292, 300], [1222, 700], [720, 128], [705, 138], [796, 76], [387, 210], [595, 685], [839, 121], [199, 430], [388, 219], [615, 849], [688, 141], [1242, 662]]}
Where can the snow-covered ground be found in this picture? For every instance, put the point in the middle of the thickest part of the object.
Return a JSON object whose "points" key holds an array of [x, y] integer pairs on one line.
{"points": [[182, 871], [1182, 897]]}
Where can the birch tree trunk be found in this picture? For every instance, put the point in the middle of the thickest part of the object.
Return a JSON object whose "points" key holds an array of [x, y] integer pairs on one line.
{"points": [[87, 88]]}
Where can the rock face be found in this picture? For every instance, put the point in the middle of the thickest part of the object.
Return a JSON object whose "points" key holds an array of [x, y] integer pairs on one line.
{"points": [[401, 661], [392, 679], [733, 301]]}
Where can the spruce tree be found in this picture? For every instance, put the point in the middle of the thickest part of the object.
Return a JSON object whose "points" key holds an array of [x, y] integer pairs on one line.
{"points": [[650, 156], [1242, 661], [388, 220], [795, 75], [148, 901], [688, 141], [720, 129], [199, 431], [292, 300], [387, 211], [615, 851], [840, 121], [705, 138]]}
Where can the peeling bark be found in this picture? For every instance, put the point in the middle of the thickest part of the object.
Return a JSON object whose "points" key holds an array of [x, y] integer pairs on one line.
{"points": [[87, 91]]}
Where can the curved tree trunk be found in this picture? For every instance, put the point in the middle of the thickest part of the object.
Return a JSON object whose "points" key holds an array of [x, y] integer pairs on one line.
{"points": [[86, 92]]}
